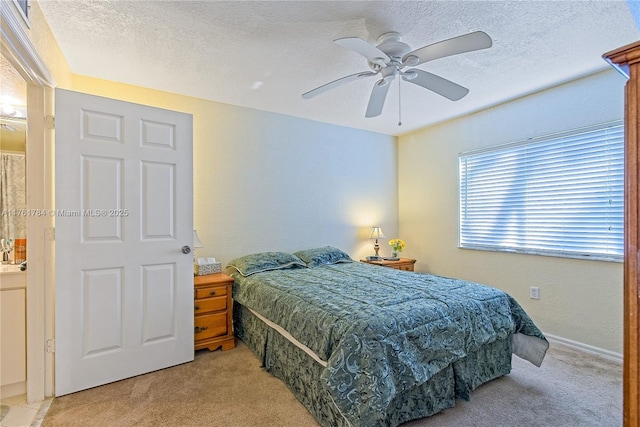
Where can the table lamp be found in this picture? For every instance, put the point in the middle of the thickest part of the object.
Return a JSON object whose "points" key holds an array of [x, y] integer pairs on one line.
{"points": [[376, 233]]}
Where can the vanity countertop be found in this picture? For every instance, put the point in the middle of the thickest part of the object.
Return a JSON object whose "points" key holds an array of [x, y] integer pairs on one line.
{"points": [[11, 277]]}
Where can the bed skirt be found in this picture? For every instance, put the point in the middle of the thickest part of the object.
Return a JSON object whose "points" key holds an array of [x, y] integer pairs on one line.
{"points": [[301, 373]]}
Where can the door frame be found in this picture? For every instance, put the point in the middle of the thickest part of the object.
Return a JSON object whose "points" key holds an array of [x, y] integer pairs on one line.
{"points": [[21, 53], [627, 61]]}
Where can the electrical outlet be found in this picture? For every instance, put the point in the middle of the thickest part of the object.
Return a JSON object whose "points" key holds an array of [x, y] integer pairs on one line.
{"points": [[534, 292]]}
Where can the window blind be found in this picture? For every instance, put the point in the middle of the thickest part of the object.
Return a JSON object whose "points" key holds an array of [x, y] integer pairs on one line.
{"points": [[561, 195]]}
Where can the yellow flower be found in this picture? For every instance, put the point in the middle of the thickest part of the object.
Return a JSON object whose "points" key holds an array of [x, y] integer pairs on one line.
{"points": [[397, 244]]}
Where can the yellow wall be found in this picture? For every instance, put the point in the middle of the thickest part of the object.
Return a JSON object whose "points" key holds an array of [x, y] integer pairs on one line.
{"points": [[580, 301], [42, 38], [13, 141], [265, 181]]}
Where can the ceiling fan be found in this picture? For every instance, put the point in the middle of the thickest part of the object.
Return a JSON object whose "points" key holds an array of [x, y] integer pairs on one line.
{"points": [[391, 56]]}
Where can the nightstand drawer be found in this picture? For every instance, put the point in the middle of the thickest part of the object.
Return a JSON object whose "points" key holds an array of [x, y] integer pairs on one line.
{"points": [[405, 264], [209, 292], [212, 309], [210, 304], [210, 325]]}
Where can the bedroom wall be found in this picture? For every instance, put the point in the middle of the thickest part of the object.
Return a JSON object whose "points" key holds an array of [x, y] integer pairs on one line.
{"points": [[580, 301], [266, 181]]}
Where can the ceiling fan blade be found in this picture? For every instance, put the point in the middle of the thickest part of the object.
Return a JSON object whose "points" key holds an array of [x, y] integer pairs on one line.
{"points": [[437, 84], [369, 51], [376, 100], [325, 87], [461, 44]]}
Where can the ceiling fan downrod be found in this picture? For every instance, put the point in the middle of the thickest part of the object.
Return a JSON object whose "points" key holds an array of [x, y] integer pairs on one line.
{"points": [[399, 104]]}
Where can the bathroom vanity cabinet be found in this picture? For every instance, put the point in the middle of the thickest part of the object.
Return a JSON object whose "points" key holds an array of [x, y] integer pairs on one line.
{"points": [[13, 357]]}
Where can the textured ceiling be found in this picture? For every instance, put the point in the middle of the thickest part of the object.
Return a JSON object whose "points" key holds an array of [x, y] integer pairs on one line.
{"points": [[264, 55]]}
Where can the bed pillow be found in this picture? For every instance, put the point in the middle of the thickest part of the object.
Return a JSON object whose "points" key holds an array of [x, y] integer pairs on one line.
{"points": [[322, 256], [265, 261]]}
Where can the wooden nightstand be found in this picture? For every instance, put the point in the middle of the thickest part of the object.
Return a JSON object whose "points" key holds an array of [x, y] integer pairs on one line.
{"points": [[213, 317], [405, 264]]}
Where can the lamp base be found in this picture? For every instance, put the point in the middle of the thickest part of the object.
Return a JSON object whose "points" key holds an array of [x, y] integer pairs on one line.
{"points": [[374, 258]]}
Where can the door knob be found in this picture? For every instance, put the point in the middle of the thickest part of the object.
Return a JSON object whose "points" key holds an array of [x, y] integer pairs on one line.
{"points": [[186, 249]]}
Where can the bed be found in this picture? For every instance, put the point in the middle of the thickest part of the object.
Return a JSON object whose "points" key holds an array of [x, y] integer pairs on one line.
{"points": [[362, 345]]}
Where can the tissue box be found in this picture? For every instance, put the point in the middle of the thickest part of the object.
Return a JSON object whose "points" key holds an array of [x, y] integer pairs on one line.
{"points": [[204, 269]]}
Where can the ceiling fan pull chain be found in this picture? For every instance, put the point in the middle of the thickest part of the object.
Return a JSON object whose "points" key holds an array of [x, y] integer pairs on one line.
{"points": [[399, 104]]}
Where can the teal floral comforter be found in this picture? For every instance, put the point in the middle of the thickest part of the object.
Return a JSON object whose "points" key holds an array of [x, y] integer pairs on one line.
{"points": [[379, 330]]}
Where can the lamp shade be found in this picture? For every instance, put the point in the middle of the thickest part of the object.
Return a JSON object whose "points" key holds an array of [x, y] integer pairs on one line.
{"points": [[196, 240], [376, 233]]}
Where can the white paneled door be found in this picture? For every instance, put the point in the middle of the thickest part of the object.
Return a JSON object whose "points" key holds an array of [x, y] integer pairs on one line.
{"points": [[124, 215]]}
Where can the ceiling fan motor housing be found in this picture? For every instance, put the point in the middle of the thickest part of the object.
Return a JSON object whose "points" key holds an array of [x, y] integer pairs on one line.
{"points": [[391, 44]]}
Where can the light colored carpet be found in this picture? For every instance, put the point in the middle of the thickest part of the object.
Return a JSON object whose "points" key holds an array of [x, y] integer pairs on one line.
{"points": [[570, 389], [230, 389]]}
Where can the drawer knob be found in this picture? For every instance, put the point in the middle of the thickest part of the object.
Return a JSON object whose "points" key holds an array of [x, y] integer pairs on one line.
{"points": [[212, 293], [198, 329], [196, 307]]}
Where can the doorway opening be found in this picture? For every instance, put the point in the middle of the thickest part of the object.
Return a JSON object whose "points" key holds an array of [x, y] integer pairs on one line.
{"points": [[19, 52], [13, 231]]}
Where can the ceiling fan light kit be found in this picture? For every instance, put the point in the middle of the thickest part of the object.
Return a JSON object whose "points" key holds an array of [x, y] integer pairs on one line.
{"points": [[391, 56]]}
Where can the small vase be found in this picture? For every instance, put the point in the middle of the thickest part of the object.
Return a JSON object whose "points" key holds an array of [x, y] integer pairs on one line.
{"points": [[394, 254]]}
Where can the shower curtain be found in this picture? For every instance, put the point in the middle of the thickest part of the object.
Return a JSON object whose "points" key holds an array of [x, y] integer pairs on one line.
{"points": [[13, 196]]}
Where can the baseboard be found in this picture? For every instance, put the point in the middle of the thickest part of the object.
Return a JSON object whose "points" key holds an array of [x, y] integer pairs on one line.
{"points": [[15, 389], [610, 355]]}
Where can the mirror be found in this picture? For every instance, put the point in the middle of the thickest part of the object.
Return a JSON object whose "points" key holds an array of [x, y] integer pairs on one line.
{"points": [[13, 138]]}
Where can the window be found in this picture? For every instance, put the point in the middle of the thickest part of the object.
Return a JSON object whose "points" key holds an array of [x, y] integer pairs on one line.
{"points": [[560, 195]]}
